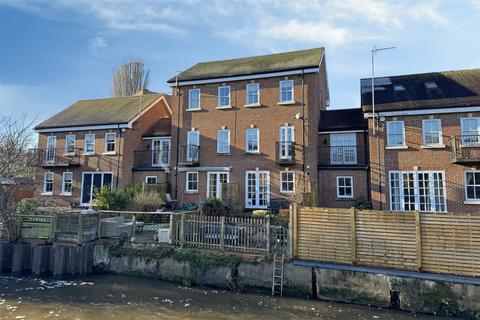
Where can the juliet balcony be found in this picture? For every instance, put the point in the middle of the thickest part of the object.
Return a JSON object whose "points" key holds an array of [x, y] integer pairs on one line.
{"points": [[342, 156], [465, 149], [285, 152], [54, 157], [151, 160], [189, 155]]}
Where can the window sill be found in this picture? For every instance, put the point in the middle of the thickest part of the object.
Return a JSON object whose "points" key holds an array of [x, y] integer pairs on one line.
{"points": [[89, 154], [191, 192], [47, 193], [193, 110], [436, 146], [284, 103], [470, 145], [224, 107], [253, 105], [474, 202], [397, 148], [224, 154], [68, 154], [344, 198], [66, 194], [110, 153], [252, 152], [287, 192]]}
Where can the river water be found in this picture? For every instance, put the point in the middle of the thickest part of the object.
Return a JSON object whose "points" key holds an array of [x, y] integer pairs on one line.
{"points": [[121, 298]]}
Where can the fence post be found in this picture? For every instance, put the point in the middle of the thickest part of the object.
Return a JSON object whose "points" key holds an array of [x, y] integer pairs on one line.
{"points": [[268, 235], [80, 227], [290, 229], [222, 232], [134, 226], [170, 230], [418, 240], [295, 230], [182, 229], [99, 231], [353, 235]]}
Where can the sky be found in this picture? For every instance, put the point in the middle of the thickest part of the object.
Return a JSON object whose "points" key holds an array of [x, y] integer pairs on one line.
{"points": [[53, 53]]}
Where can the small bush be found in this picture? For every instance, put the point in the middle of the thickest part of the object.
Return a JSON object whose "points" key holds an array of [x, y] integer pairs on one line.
{"points": [[260, 213], [146, 202], [112, 199], [362, 204], [27, 206], [213, 207]]}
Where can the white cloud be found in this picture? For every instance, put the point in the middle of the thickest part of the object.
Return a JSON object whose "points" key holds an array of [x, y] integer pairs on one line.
{"points": [[97, 45]]}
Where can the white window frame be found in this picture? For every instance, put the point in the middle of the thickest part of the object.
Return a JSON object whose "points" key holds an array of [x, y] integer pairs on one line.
{"points": [[187, 181], [280, 91], [257, 174], [64, 192], [224, 106], [464, 133], [217, 178], [283, 181], [219, 146], [475, 184], [51, 150], [161, 151], [105, 142], [247, 96], [66, 144], [440, 133], [103, 173], [339, 196], [45, 192], [389, 143], [344, 153], [189, 144], [85, 152], [416, 188], [190, 92], [151, 177], [257, 130]]}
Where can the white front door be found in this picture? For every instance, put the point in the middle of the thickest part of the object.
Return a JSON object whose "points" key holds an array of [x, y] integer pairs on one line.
{"points": [[161, 152], [257, 189], [214, 184], [193, 142], [50, 153], [343, 148], [287, 136]]}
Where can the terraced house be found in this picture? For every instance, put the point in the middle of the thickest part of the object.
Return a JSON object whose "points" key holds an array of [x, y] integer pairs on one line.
{"points": [[425, 142], [111, 142], [251, 124]]}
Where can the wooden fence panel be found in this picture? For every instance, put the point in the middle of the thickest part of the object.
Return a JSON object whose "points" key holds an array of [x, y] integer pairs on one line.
{"points": [[451, 243], [386, 239], [432, 242], [324, 234]]}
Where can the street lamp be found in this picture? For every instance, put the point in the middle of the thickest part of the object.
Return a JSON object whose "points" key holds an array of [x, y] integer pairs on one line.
{"points": [[375, 50]]}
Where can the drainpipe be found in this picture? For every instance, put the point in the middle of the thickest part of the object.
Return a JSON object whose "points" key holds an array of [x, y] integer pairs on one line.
{"points": [[118, 154], [303, 131], [177, 89], [367, 164]]}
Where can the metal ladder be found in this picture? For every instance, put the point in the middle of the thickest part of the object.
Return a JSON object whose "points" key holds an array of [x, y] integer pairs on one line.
{"points": [[277, 283]]}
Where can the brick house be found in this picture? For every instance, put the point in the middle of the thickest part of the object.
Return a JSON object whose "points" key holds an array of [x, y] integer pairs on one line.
{"points": [[250, 123], [95, 143], [425, 152], [343, 162]]}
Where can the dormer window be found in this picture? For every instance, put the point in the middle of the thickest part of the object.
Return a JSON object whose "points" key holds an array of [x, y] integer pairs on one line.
{"points": [[431, 85], [399, 88]]}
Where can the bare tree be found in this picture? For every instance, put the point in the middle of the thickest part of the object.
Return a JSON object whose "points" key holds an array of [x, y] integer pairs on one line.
{"points": [[130, 78], [15, 138]]}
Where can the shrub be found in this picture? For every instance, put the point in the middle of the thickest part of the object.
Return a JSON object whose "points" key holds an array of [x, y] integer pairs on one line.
{"points": [[146, 202], [108, 199], [213, 207], [27, 206], [362, 204], [260, 213]]}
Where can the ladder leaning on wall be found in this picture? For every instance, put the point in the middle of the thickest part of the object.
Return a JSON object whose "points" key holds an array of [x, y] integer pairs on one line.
{"points": [[277, 281]]}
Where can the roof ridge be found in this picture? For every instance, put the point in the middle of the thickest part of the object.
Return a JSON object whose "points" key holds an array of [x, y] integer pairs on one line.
{"points": [[423, 73], [126, 97], [261, 56]]}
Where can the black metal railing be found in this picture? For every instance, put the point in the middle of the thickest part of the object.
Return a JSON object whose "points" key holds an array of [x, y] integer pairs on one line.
{"points": [[285, 152], [465, 148], [151, 158], [189, 155], [331, 156], [53, 157]]}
